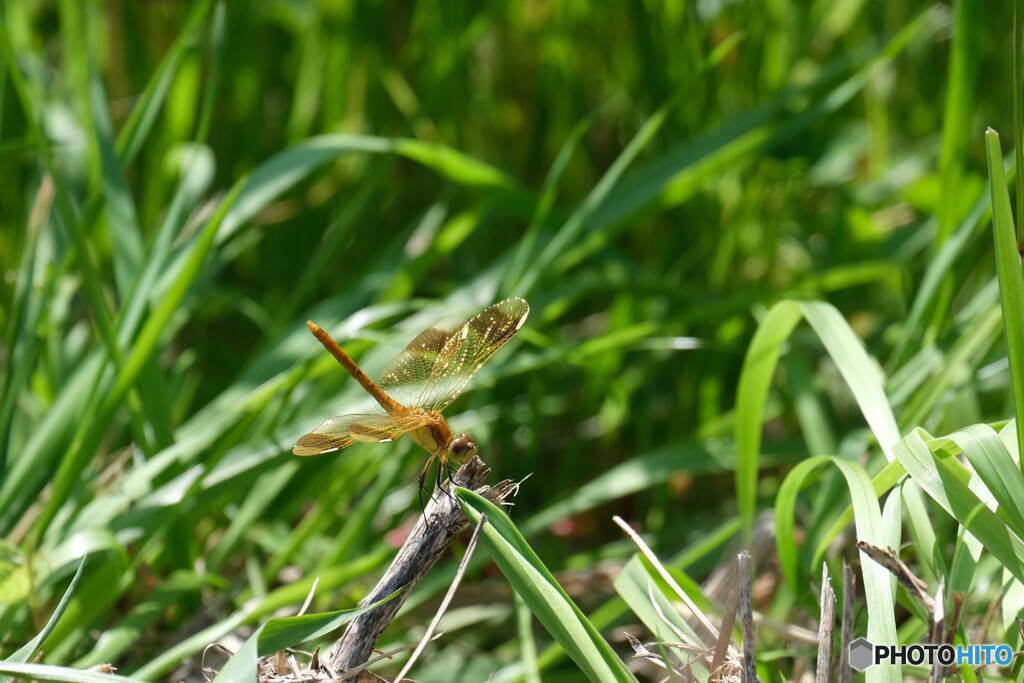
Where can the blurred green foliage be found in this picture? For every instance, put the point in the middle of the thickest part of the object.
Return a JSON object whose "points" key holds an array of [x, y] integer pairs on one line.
{"points": [[651, 175]]}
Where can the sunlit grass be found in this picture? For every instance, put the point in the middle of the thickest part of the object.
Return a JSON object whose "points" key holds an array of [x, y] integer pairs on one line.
{"points": [[676, 192]]}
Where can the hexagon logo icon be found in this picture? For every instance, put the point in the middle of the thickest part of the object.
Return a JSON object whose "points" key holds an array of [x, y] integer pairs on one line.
{"points": [[861, 654]]}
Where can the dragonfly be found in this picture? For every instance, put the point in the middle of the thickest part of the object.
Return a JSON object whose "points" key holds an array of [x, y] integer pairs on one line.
{"points": [[431, 372]]}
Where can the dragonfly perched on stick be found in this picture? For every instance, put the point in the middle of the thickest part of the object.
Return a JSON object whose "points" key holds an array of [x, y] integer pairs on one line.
{"points": [[431, 372]]}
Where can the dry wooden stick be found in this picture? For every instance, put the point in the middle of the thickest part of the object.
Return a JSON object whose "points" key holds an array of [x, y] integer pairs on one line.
{"points": [[888, 558], [846, 631], [724, 637], [747, 618], [825, 628], [441, 521], [470, 547]]}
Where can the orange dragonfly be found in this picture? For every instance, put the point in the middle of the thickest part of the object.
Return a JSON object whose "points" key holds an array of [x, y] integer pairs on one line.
{"points": [[433, 370]]}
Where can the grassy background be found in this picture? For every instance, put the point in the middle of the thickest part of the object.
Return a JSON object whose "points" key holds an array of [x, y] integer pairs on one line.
{"points": [[187, 183]]}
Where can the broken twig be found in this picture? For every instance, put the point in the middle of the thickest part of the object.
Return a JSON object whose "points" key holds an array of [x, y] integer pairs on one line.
{"points": [[825, 628], [846, 631], [441, 521], [747, 618]]}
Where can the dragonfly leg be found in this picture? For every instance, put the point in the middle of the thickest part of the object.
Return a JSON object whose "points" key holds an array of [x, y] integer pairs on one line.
{"points": [[450, 469], [446, 486], [421, 486]]}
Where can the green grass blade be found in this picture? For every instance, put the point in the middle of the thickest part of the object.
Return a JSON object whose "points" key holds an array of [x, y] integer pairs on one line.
{"points": [[144, 114], [923, 533], [870, 528], [996, 468], [527, 645], [1011, 278], [122, 223], [129, 631], [945, 481], [572, 230], [959, 107], [860, 373], [516, 266], [61, 674], [1018, 111], [785, 505], [939, 271], [28, 651], [751, 395], [359, 522], [286, 168], [454, 165], [550, 603], [218, 32], [196, 175], [83, 446], [23, 318], [965, 354]]}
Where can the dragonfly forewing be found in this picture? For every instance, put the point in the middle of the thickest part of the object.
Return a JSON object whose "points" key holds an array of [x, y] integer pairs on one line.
{"points": [[344, 430]]}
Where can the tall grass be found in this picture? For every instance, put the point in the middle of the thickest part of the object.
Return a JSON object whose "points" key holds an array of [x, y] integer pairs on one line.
{"points": [[676, 188]]}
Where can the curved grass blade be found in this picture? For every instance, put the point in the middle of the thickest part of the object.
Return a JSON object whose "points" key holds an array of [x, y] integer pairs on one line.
{"points": [[945, 480], [785, 499], [548, 601], [995, 467], [870, 528], [862, 376], [751, 395], [27, 651]]}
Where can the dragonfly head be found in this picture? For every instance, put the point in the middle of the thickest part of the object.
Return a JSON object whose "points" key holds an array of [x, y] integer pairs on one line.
{"points": [[462, 448]]}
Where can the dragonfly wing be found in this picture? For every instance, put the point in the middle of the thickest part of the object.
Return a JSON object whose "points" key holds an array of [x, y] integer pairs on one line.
{"points": [[467, 349], [404, 377], [345, 430]]}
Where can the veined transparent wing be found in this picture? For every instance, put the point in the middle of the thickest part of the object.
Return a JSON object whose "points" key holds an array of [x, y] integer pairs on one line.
{"points": [[405, 375], [345, 430], [465, 350]]}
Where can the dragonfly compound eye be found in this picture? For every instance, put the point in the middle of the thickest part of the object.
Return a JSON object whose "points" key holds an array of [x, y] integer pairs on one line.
{"points": [[462, 446]]}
